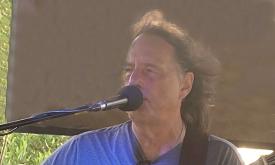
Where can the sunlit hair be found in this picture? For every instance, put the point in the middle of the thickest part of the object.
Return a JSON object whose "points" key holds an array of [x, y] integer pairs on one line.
{"points": [[192, 58]]}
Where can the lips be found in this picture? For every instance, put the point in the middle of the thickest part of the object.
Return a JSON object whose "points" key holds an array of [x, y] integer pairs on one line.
{"points": [[144, 96], [145, 99]]}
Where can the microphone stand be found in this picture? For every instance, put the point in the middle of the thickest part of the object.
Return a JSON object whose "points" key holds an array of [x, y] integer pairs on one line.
{"points": [[46, 116], [130, 95]]}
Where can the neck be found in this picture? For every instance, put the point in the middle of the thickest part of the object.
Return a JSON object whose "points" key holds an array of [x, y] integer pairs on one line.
{"points": [[157, 139]]}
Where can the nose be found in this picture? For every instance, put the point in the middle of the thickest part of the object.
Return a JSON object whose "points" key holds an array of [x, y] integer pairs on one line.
{"points": [[135, 78]]}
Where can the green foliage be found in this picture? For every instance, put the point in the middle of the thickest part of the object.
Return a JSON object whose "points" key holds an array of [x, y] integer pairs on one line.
{"points": [[5, 14], [30, 148], [27, 149]]}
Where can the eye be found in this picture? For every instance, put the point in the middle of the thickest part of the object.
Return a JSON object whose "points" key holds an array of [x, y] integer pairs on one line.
{"points": [[150, 69], [127, 71]]}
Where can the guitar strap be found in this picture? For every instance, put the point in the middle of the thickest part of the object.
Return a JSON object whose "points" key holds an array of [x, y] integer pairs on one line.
{"points": [[194, 148]]}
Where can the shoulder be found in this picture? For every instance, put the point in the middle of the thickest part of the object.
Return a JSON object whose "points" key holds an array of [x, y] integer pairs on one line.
{"points": [[104, 137], [215, 141], [87, 145], [222, 152], [107, 132]]}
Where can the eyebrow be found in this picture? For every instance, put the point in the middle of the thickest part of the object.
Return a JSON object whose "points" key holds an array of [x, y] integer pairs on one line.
{"points": [[127, 64], [145, 64]]}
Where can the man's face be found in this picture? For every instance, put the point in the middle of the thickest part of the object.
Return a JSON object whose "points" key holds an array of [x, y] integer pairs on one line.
{"points": [[152, 67]]}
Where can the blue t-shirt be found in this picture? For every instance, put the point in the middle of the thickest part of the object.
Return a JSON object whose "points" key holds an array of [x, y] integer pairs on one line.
{"points": [[117, 145]]}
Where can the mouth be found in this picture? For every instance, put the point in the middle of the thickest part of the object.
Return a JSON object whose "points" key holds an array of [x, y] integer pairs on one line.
{"points": [[145, 99]]}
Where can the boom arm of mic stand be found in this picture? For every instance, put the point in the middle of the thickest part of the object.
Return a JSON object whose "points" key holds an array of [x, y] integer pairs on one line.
{"points": [[47, 116]]}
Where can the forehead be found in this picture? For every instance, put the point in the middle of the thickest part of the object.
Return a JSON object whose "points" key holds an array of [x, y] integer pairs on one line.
{"points": [[151, 47]]}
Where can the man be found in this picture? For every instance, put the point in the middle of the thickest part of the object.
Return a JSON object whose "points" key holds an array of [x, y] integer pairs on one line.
{"points": [[175, 78]]}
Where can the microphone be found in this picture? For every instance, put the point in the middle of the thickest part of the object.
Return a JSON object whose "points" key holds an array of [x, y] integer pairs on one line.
{"points": [[129, 99]]}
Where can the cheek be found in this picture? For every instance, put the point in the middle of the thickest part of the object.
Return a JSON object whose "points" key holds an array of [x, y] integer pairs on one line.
{"points": [[165, 90], [172, 90]]}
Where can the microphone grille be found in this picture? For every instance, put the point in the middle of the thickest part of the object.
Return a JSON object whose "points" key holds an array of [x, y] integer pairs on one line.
{"points": [[134, 96]]}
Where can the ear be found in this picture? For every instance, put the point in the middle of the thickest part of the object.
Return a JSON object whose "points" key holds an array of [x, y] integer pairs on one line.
{"points": [[186, 84]]}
